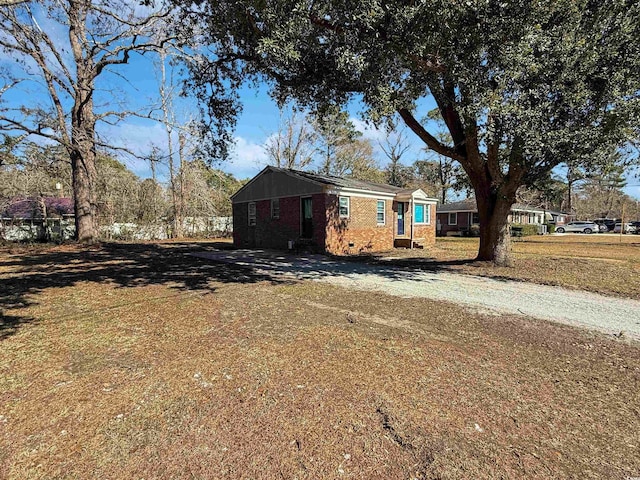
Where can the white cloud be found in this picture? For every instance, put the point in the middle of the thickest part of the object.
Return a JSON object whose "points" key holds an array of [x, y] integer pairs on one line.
{"points": [[369, 131], [247, 159], [138, 139]]}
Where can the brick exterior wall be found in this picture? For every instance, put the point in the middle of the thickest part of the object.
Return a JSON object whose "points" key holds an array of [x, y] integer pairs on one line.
{"points": [[268, 232], [463, 222], [420, 231], [360, 232], [427, 232], [276, 232]]}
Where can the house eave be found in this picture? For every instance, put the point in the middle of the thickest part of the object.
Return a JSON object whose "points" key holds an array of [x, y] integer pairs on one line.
{"points": [[335, 190]]}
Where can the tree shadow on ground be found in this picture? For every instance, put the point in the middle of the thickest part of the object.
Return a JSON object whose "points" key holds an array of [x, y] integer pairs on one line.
{"points": [[310, 266], [182, 266], [34, 270]]}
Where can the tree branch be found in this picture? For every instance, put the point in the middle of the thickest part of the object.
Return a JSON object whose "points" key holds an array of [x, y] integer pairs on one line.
{"points": [[431, 141], [11, 124]]}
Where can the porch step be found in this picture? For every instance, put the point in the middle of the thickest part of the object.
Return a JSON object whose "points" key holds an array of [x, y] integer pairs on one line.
{"points": [[406, 243]]}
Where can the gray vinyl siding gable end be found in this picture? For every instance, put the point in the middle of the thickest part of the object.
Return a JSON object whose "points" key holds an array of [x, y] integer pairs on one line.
{"points": [[272, 184]]}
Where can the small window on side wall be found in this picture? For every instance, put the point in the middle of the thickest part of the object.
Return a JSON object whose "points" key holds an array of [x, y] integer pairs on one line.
{"points": [[343, 203], [453, 218], [252, 213], [380, 212], [275, 208]]}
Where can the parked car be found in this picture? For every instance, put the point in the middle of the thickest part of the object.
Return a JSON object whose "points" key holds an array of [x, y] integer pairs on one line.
{"points": [[637, 227], [580, 227], [606, 224], [628, 228]]}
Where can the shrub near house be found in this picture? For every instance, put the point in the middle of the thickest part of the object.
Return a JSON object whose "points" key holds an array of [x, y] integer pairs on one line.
{"points": [[331, 214]]}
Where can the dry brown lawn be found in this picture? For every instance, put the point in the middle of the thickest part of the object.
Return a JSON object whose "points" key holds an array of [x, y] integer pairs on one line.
{"points": [[136, 361], [605, 263]]}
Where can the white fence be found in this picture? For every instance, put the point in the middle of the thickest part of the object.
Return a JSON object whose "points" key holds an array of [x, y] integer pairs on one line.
{"points": [[192, 227], [56, 229], [37, 230]]}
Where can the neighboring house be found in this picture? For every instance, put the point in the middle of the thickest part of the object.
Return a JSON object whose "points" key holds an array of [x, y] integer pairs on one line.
{"points": [[558, 218], [457, 217], [279, 208], [37, 218]]}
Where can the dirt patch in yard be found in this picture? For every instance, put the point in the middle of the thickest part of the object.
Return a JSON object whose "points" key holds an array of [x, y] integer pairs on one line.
{"points": [[136, 361]]}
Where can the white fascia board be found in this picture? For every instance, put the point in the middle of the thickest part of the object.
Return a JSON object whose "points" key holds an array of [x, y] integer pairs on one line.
{"points": [[355, 192], [527, 210], [421, 195]]}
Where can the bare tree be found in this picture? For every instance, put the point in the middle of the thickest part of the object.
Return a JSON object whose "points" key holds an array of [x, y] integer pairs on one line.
{"points": [[355, 159], [167, 91], [292, 146], [395, 146], [100, 36]]}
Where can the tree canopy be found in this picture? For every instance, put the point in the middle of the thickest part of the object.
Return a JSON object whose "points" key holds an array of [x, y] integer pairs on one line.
{"points": [[520, 86]]}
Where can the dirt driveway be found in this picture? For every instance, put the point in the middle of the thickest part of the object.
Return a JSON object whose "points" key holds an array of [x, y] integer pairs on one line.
{"points": [[606, 314]]}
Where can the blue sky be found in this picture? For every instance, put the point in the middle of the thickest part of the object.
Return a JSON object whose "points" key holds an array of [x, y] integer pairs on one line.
{"points": [[135, 86]]}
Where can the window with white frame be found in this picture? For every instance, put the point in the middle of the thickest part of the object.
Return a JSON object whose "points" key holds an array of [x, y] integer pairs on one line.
{"points": [[380, 212], [453, 218], [252, 213], [275, 208], [475, 218], [421, 214], [343, 206]]}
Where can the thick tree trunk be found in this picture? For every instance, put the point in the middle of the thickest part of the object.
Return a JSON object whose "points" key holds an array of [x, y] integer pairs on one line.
{"points": [[495, 238], [82, 148], [83, 170], [83, 160], [494, 188]]}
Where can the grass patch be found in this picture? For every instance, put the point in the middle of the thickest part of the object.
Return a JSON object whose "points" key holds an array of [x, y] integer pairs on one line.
{"points": [[596, 263], [137, 361]]}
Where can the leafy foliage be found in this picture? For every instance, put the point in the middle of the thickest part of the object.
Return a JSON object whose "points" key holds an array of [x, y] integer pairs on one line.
{"points": [[521, 86]]}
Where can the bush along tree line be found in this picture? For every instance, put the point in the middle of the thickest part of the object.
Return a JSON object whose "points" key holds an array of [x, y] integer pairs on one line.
{"points": [[520, 87], [146, 205]]}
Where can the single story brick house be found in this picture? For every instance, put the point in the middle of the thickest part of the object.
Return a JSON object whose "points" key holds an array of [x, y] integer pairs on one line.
{"points": [[279, 208], [457, 217]]}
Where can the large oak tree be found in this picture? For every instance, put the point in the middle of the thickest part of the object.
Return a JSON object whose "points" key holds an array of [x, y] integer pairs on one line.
{"points": [[521, 86]]}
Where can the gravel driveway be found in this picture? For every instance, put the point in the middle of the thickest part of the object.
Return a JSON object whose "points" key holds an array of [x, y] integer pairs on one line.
{"points": [[607, 314]]}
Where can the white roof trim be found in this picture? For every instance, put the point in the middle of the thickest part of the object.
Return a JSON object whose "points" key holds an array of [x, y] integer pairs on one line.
{"points": [[357, 192]]}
